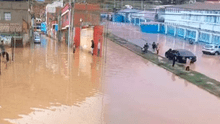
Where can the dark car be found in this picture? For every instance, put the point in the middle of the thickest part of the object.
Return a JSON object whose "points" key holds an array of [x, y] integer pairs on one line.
{"points": [[181, 55]]}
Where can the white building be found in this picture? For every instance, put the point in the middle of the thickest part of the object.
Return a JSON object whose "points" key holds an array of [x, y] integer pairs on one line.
{"points": [[199, 21]]}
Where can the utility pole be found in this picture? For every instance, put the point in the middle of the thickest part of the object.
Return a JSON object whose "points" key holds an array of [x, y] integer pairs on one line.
{"points": [[121, 3], [70, 16], [142, 5], [72, 19]]}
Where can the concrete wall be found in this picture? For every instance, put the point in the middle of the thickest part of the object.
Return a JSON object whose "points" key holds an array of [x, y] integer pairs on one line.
{"points": [[180, 18], [18, 10]]}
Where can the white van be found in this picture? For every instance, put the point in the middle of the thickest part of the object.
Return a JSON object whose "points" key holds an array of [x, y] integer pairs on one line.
{"points": [[211, 49]]}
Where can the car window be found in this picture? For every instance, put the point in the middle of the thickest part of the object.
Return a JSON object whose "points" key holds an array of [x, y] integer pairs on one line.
{"points": [[174, 51], [208, 46], [216, 46]]}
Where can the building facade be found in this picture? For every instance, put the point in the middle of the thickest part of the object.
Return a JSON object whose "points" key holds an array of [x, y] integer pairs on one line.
{"points": [[14, 18], [199, 21]]}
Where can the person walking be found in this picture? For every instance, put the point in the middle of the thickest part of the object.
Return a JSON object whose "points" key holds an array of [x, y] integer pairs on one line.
{"points": [[99, 47], [3, 51], [74, 47], [154, 46], [158, 48], [174, 60], [92, 46], [188, 62]]}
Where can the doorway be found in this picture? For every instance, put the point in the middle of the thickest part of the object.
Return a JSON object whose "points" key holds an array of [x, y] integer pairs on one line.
{"points": [[86, 35]]}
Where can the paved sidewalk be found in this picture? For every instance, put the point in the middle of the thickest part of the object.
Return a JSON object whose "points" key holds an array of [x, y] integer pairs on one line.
{"points": [[209, 84]]}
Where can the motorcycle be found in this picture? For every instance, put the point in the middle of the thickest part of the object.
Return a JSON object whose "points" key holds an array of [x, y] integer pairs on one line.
{"points": [[144, 50]]}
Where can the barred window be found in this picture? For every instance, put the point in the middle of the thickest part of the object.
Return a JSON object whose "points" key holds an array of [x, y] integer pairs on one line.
{"points": [[7, 16]]}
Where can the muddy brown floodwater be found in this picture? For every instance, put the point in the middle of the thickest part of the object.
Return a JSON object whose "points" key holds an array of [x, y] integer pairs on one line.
{"points": [[140, 92], [45, 85]]}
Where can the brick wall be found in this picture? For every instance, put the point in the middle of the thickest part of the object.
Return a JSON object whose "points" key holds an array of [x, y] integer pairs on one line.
{"points": [[89, 13]]}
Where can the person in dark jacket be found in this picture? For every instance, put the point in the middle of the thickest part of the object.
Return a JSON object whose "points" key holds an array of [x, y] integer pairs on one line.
{"points": [[154, 46], [146, 46], [92, 46], [74, 47], [174, 60]]}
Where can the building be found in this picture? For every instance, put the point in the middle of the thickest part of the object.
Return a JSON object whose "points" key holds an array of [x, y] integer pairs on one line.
{"points": [[84, 14], [14, 18], [199, 21], [52, 12], [65, 22]]}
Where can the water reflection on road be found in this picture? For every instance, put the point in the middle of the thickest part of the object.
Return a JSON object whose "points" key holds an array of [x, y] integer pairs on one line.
{"points": [[206, 64], [45, 85]]}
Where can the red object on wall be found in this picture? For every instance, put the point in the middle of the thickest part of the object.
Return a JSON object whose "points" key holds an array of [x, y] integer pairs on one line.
{"points": [[77, 36], [98, 35]]}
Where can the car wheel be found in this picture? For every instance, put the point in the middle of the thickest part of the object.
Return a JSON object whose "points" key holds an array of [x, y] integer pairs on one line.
{"points": [[216, 53]]}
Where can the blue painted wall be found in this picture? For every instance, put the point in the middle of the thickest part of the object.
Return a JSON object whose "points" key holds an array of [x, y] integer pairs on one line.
{"points": [[216, 39], [137, 21], [180, 32], [118, 18], [44, 27], [162, 29], [132, 20], [190, 34], [149, 28], [170, 30], [204, 37]]}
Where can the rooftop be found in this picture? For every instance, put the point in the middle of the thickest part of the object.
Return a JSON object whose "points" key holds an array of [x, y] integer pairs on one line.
{"points": [[128, 11], [199, 6]]}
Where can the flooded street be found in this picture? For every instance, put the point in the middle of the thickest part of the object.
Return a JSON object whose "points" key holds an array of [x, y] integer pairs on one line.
{"points": [[46, 85], [204, 64], [140, 92]]}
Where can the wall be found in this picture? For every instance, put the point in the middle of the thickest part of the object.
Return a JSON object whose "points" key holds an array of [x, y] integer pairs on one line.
{"points": [[89, 13], [19, 11], [65, 17], [195, 20]]}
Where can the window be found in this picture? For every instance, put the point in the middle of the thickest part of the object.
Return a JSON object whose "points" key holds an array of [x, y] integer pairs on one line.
{"points": [[7, 16]]}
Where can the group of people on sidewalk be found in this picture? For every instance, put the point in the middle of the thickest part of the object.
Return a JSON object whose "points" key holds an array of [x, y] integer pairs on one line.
{"points": [[157, 48], [154, 47]]}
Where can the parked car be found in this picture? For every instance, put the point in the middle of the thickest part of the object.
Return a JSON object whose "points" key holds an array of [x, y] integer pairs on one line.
{"points": [[211, 49], [181, 55], [37, 39]]}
